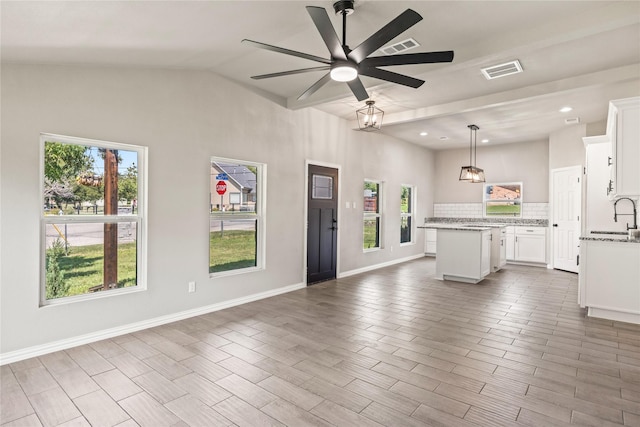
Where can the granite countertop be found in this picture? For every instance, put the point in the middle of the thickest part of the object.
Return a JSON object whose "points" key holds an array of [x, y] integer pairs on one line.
{"points": [[486, 222], [463, 227], [610, 239], [609, 236]]}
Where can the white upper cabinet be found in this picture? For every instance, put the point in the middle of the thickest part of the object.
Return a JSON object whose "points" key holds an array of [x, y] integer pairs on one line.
{"points": [[623, 130]]}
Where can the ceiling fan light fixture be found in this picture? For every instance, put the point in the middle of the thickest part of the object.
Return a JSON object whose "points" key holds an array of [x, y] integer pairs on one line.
{"points": [[343, 72]]}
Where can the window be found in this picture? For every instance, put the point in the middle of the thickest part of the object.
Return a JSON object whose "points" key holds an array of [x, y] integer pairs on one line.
{"points": [[406, 213], [93, 218], [236, 225], [502, 200], [372, 215]]}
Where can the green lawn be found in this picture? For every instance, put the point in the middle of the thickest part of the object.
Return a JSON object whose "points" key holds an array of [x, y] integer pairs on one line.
{"points": [[232, 250], [370, 231], [82, 268], [503, 210]]}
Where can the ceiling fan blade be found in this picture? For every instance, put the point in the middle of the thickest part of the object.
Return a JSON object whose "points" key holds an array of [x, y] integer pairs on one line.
{"points": [[317, 85], [358, 89], [287, 51], [288, 73], [325, 28], [400, 24], [392, 77], [409, 58]]}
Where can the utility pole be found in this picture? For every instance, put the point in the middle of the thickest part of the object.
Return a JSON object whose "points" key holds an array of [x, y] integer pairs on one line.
{"points": [[110, 265]]}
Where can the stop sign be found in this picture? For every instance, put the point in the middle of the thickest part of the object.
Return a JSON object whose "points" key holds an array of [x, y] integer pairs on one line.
{"points": [[221, 187]]}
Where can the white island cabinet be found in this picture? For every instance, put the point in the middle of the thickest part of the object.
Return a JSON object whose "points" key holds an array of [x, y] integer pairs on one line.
{"points": [[463, 254], [609, 279]]}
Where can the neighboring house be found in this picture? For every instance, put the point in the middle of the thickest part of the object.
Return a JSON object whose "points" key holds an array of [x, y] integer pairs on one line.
{"points": [[240, 194], [504, 193]]}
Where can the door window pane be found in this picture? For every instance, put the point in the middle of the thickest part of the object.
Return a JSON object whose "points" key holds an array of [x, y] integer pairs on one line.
{"points": [[322, 187]]}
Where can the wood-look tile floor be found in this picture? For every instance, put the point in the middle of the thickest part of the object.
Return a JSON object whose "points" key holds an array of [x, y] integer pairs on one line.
{"points": [[393, 347]]}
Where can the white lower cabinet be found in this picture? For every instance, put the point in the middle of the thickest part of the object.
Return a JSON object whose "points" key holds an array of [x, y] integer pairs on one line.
{"points": [[430, 241], [609, 280], [498, 248], [511, 243], [526, 244]]}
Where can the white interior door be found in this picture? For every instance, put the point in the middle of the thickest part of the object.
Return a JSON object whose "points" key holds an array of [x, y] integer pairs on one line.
{"points": [[566, 199]]}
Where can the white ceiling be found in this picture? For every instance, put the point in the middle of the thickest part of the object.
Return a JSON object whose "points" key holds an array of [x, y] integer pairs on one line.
{"points": [[574, 53]]}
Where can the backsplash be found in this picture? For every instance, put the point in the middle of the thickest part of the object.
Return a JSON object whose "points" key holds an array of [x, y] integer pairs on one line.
{"points": [[474, 210]]}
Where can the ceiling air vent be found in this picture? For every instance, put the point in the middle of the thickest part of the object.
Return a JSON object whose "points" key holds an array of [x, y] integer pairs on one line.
{"points": [[573, 121], [402, 46], [502, 70]]}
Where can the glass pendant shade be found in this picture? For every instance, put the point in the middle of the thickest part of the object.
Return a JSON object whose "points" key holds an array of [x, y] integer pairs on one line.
{"points": [[472, 173], [370, 117]]}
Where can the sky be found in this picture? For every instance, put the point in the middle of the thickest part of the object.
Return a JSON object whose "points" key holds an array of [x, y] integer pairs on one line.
{"points": [[128, 158]]}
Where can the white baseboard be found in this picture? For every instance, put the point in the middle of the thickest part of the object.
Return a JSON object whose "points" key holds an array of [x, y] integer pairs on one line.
{"points": [[39, 350], [377, 266]]}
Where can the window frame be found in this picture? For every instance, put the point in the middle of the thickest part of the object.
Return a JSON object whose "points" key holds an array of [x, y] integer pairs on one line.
{"points": [[140, 218], [410, 214], [485, 199], [374, 215], [259, 216]]}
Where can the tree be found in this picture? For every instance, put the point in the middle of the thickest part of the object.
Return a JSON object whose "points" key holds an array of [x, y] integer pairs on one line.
{"points": [[86, 193], [62, 164], [56, 286], [65, 161], [128, 184], [60, 191]]}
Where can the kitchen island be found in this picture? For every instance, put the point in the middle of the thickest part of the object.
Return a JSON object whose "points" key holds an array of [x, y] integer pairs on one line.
{"points": [[463, 252]]}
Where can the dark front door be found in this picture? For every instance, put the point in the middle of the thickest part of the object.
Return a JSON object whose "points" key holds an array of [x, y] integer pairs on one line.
{"points": [[322, 224]]}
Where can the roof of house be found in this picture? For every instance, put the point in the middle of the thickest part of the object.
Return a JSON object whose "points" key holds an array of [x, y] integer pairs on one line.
{"points": [[240, 174]]}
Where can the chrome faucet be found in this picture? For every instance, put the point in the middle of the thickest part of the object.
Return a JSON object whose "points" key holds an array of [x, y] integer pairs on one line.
{"points": [[616, 214]]}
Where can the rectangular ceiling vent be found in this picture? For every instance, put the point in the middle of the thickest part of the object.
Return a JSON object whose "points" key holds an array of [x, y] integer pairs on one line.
{"points": [[573, 121], [502, 70], [400, 47]]}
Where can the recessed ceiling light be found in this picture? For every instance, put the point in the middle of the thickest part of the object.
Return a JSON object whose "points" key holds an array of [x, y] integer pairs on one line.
{"points": [[565, 109], [423, 134], [484, 141]]}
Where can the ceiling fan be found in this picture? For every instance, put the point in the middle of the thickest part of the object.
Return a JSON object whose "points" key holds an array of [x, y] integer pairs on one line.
{"points": [[345, 64]]}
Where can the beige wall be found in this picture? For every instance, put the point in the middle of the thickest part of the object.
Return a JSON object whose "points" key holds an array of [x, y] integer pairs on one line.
{"points": [[184, 118], [526, 162], [566, 147]]}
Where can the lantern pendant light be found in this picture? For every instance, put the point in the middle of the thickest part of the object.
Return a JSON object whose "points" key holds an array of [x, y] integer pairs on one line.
{"points": [[370, 117], [472, 173]]}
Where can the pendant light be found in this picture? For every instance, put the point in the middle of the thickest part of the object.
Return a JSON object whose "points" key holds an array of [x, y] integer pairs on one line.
{"points": [[472, 173], [370, 117]]}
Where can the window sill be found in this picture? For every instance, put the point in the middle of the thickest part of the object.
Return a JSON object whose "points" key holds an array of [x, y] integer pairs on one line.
{"points": [[371, 250], [235, 272], [92, 296]]}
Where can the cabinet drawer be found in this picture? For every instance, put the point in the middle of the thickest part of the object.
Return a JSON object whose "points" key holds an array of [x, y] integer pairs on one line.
{"points": [[536, 231]]}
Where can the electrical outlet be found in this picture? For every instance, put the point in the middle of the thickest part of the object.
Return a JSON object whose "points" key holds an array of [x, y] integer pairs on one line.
{"points": [[192, 286]]}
